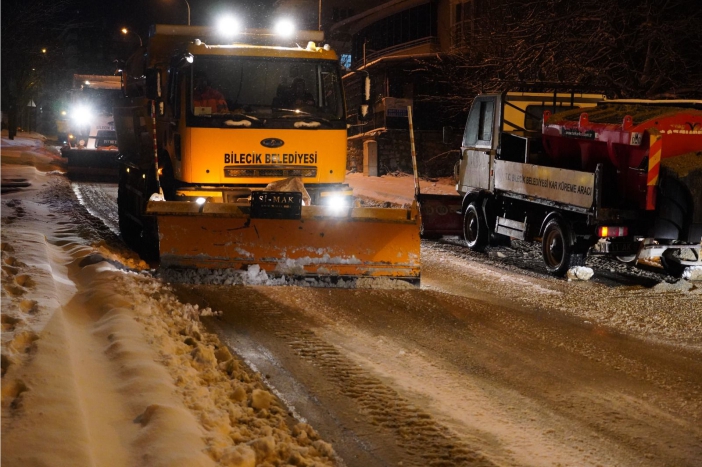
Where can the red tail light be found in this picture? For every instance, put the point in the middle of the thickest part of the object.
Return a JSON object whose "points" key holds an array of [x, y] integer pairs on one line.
{"points": [[608, 231]]}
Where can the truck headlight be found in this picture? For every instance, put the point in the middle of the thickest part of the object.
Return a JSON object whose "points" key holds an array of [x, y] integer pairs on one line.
{"points": [[284, 28], [337, 202], [228, 26]]}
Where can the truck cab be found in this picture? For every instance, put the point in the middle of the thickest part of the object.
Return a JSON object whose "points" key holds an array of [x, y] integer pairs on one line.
{"points": [[236, 116]]}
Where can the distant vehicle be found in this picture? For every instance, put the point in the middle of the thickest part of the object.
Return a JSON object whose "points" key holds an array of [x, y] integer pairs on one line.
{"points": [[88, 130], [615, 177]]}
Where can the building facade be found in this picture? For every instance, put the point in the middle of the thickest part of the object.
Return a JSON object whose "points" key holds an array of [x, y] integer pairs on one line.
{"points": [[395, 43]]}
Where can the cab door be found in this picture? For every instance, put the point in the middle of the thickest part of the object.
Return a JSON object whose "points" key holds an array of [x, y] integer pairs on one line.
{"points": [[477, 147]]}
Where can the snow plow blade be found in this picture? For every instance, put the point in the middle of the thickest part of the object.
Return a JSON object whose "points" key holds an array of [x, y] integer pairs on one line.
{"points": [[355, 242], [91, 162]]}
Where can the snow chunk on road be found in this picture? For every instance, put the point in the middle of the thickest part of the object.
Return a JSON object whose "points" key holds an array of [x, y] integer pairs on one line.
{"points": [[580, 273], [255, 275], [693, 273], [679, 286]]}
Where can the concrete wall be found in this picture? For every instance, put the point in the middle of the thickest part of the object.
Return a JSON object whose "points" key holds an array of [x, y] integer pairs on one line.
{"points": [[434, 158]]}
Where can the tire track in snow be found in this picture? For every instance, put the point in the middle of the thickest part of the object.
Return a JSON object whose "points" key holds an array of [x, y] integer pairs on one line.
{"points": [[425, 441]]}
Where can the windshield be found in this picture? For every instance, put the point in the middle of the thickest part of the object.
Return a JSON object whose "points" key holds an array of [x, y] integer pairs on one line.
{"points": [[263, 88]]}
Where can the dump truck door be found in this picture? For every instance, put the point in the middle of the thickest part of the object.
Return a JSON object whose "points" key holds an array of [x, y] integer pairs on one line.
{"points": [[478, 144]]}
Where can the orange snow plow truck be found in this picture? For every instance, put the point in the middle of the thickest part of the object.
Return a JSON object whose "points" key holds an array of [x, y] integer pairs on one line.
{"points": [[580, 175], [233, 154]]}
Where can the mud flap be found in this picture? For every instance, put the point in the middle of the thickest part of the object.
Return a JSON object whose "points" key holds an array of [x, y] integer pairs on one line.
{"points": [[355, 242], [441, 215]]}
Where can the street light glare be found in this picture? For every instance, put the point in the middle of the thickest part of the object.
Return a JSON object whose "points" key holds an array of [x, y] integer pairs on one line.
{"points": [[284, 28], [126, 31], [228, 26]]}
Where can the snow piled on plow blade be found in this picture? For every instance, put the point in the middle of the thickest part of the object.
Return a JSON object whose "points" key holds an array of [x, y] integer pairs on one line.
{"points": [[351, 243]]}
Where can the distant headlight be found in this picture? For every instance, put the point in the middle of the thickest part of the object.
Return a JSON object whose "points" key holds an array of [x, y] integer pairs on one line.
{"points": [[82, 115]]}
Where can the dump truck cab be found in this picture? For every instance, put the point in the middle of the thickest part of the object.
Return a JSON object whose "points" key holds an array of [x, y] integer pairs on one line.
{"points": [[233, 155]]}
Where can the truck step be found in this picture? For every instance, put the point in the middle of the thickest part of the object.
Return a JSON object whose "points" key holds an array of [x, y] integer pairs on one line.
{"points": [[510, 228]]}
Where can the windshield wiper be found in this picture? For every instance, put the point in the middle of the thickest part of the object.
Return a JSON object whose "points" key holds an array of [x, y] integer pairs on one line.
{"points": [[250, 118], [305, 116], [296, 112]]}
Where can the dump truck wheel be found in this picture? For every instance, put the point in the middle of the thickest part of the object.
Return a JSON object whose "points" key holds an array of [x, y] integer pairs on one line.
{"points": [[629, 260], [128, 229], [139, 232], [167, 179], [475, 229], [557, 248]]}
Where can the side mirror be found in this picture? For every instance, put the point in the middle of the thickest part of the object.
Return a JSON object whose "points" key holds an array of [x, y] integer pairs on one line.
{"points": [[153, 83], [448, 134]]}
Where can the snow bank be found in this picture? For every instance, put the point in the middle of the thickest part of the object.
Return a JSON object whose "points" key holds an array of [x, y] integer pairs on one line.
{"points": [[241, 419], [102, 365]]}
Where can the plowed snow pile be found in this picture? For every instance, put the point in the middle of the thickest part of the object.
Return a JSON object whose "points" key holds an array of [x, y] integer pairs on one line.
{"points": [[101, 365]]}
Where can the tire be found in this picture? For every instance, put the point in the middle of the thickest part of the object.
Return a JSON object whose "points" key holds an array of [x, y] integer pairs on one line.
{"points": [[557, 248], [629, 260], [475, 230], [167, 179], [139, 232], [128, 229]]}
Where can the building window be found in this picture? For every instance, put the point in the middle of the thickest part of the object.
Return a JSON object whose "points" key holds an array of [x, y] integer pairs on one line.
{"points": [[465, 16], [345, 60]]}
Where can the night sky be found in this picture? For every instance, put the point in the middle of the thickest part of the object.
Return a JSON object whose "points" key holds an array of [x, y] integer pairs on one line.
{"points": [[140, 14]]}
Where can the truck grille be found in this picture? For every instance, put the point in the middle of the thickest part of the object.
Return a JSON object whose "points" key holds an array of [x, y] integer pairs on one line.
{"points": [[268, 171]]}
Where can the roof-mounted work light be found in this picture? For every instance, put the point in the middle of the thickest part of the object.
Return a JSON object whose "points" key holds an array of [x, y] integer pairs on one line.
{"points": [[284, 28], [228, 26]]}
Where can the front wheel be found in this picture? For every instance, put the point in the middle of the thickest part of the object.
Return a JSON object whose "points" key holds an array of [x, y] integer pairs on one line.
{"points": [[475, 228], [557, 248], [138, 231]]}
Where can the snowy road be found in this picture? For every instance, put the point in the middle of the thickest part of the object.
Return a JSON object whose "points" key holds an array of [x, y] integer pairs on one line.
{"points": [[454, 374], [491, 362]]}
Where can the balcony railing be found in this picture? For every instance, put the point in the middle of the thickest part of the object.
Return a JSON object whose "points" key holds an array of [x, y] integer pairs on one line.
{"points": [[432, 41]]}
